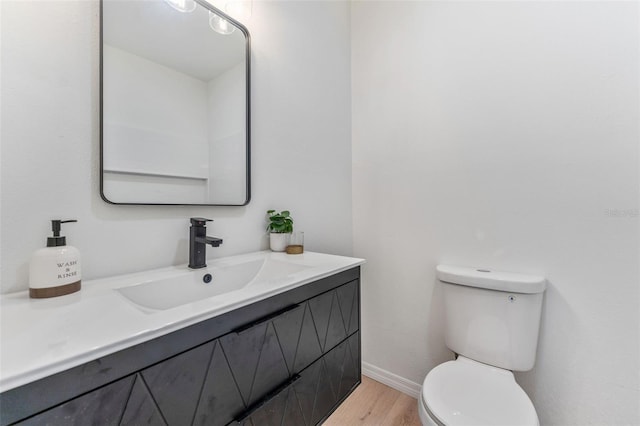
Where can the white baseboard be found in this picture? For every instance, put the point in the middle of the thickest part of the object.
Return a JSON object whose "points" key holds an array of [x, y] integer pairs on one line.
{"points": [[392, 380]]}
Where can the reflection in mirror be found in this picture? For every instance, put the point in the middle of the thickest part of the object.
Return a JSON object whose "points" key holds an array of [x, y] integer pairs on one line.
{"points": [[175, 104]]}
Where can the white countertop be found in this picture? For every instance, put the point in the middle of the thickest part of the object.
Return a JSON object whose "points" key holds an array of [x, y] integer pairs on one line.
{"points": [[41, 337]]}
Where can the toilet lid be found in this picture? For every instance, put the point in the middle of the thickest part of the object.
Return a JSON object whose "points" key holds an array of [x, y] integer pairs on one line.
{"points": [[466, 392]]}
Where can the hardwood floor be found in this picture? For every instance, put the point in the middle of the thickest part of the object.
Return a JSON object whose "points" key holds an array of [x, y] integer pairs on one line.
{"points": [[375, 404]]}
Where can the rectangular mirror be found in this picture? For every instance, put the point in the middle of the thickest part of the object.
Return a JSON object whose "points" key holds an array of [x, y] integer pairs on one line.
{"points": [[174, 104]]}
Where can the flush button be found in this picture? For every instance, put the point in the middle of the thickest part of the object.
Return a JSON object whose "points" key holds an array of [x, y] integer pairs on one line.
{"points": [[207, 278]]}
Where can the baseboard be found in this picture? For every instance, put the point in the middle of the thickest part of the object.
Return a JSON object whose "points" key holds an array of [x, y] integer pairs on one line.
{"points": [[391, 380]]}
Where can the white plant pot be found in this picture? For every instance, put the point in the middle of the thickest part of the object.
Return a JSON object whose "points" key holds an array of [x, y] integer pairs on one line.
{"points": [[279, 242]]}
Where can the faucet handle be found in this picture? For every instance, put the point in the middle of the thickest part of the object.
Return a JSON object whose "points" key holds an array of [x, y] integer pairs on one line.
{"points": [[200, 221]]}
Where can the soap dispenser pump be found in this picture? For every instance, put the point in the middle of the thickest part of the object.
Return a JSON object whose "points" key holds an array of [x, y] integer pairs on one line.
{"points": [[55, 270]]}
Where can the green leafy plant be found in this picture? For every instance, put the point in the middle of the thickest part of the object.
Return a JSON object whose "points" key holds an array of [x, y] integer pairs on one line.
{"points": [[280, 223]]}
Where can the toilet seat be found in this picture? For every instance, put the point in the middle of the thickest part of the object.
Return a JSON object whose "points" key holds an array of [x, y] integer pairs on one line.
{"points": [[469, 393]]}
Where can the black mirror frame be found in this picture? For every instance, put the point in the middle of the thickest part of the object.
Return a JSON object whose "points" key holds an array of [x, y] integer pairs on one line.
{"points": [[245, 31]]}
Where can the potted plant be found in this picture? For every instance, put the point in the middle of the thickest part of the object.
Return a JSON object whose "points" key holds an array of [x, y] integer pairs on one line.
{"points": [[280, 227]]}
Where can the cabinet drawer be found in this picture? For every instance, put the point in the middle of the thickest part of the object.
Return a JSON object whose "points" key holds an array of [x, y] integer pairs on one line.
{"points": [[325, 383], [310, 397], [262, 355], [336, 314], [102, 406], [197, 385], [275, 348]]}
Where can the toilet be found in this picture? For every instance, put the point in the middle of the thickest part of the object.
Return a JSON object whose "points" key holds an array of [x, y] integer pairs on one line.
{"points": [[491, 324]]}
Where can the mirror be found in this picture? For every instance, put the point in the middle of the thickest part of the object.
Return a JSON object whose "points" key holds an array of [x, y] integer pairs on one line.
{"points": [[174, 104]]}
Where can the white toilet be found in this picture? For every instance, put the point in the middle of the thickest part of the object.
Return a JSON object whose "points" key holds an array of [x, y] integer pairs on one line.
{"points": [[492, 323]]}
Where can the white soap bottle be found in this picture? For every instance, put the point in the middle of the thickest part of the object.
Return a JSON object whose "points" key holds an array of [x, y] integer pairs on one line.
{"points": [[55, 270]]}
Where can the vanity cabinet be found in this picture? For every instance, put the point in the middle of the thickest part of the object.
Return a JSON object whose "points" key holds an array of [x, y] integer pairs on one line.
{"points": [[287, 360]]}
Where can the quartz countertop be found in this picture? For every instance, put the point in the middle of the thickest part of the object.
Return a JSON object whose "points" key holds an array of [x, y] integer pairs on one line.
{"points": [[41, 337]]}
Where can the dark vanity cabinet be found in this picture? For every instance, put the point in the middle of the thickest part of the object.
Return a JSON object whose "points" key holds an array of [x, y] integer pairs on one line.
{"points": [[287, 360]]}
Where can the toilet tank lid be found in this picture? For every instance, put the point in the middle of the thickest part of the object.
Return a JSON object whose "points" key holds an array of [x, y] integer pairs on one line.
{"points": [[491, 280]]}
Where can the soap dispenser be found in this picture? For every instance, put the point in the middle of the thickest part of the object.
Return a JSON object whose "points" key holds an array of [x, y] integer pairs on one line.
{"points": [[55, 270]]}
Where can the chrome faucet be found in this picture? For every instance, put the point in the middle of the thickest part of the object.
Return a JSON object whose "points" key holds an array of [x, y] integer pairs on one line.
{"points": [[198, 241]]}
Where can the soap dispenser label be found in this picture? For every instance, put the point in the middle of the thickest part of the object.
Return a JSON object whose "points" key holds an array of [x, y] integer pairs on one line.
{"points": [[67, 269]]}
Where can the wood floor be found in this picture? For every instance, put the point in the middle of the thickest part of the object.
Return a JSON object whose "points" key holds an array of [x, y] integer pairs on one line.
{"points": [[375, 404]]}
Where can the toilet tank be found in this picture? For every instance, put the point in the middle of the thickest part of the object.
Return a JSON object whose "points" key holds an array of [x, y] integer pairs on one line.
{"points": [[492, 317]]}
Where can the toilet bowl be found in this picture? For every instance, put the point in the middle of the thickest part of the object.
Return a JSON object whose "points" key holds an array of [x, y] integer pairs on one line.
{"points": [[492, 321], [468, 393]]}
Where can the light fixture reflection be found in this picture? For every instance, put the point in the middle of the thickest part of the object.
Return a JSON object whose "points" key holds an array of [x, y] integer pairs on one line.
{"points": [[220, 25], [182, 5]]}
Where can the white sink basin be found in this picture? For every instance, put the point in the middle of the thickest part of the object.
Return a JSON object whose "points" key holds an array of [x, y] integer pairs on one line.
{"points": [[191, 285]]}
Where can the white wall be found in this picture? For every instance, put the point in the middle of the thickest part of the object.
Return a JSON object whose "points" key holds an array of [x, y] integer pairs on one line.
{"points": [[301, 141], [503, 135]]}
